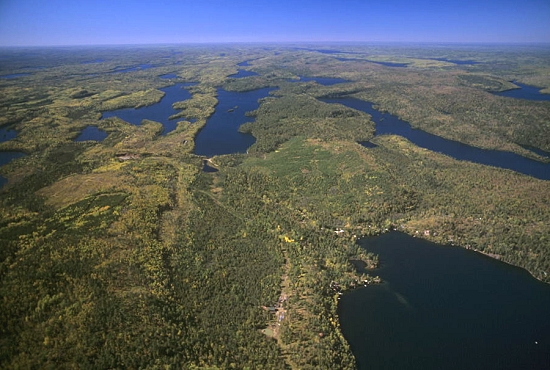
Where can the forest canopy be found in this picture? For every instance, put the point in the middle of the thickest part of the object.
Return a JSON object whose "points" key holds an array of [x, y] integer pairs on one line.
{"points": [[124, 253]]}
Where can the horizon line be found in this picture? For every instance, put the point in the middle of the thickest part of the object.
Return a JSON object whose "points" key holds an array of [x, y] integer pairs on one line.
{"points": [[501, 43]]}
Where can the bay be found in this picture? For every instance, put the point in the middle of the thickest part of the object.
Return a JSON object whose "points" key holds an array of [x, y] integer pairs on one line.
{"points": [[388, 124], [159, 112], [443, 307], [220, 135]]}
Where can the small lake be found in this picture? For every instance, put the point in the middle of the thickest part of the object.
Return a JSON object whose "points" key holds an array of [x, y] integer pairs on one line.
{"points": [[208, 169], [445, 307], [526, 92], [139, 67], [325, 81], [91, 133], [96, 61], [220, 135], [168, 76], [457, 61], [159, 112], [391, 125], [13, 76], [6, 157], [243, 73], [385, 64], [389, 64]]}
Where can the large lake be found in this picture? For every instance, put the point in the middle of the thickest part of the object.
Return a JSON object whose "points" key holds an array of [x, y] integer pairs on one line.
{"points": [[221, 135], [445, 307]]}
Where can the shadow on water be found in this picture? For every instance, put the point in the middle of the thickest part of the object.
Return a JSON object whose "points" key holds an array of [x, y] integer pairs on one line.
{"points": [[392, 125], [445, 308]]}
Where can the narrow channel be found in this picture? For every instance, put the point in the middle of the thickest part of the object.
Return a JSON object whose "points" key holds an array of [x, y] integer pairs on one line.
{"points": [[388, 124]]}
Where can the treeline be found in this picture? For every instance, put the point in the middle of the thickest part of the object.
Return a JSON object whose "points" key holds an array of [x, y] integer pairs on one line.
{"points": [[495, 211], [313, 258]]}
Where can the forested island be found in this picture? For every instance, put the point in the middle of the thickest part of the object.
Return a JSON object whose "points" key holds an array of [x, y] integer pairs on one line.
{"points": [[124, 251]]}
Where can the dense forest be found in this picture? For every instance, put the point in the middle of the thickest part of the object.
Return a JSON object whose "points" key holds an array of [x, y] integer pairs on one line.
{"points": [[123, 253]]}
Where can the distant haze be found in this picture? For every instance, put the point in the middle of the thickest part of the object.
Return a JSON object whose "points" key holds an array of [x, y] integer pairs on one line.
{"points": [[71, 22]]}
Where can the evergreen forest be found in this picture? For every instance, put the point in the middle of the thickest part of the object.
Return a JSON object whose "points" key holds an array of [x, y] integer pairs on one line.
{"points": [[124, 253]]}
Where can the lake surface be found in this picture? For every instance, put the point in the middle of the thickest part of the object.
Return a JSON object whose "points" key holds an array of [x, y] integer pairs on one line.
{"points": [[386, 64], [389, 64], [168, 76], [526, 92], [243, 73], [6, 157], [91, 133], [96, 61], [139, 67], [326, 81], [159, 112], [446, 308], [14, 75], [220, 135], [389, 124], [208, 169], [457, 61]]}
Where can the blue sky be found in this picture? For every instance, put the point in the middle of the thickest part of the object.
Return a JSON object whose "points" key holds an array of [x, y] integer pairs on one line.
{"points": [[92, 22]]}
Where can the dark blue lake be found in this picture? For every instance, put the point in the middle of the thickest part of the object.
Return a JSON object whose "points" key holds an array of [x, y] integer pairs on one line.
{"points": [[525, 92], [243, 73], [6, 157], [91, 133], [457, 61], [139, 67], [448, 308], [14, 75], [385, 64], [159, 112], [207, 168], [390, 64], [392, 125], [326, 81], [168, 76], [96, 61], [221, 135]]}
